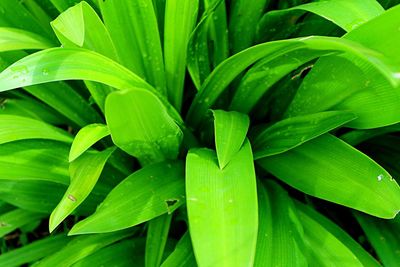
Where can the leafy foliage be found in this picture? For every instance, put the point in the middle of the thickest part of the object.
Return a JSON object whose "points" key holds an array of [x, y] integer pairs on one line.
{"points": [[199, 133]]}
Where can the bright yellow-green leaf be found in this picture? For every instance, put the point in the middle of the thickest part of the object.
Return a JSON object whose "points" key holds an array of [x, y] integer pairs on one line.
{"points": [[180, 17], [222, 208], [140, 125], [16, 39], [15, 128], [86, 137], [218, 81], [230, 130], [328, 168], [280, 234], [344, 82], [152, 191], [290, 133], [33, 251], [328, 245], [81, 247], [84, 173], [346, 14], [183, 255], [11, 220]]}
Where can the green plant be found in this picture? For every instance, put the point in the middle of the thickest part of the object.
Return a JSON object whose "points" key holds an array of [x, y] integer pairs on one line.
{"points": [[209, 133]]}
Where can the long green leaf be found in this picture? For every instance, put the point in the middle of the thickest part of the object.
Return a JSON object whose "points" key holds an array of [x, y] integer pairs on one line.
{"points": [[59, 96], [84, 173], [14, 219], [344, 82], [31, 108], [243, 15], [290, 133], [57, 64], [29, 195], [74, 28], [16, 39], [328, 168], [328, 244], [346, 14], [280, 234], [183, 255], [86, 137], [384, 236], [15, 15], [180, 16], [15, 128], [41, 160], [157, 235], [228, 70], [356, 137], [123, 254], [230, 130], [199, 55], [152, 191], [140, 125], [134, 29], [33, 251], [81, 247], [222, 208]]}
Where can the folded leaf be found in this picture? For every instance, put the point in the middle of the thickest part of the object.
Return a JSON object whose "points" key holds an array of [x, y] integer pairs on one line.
{"points": [[152, 191], [86, 137], [328, 168], [230, 133], [140, 125], [222, 208], [290, 133], [84, 173]]}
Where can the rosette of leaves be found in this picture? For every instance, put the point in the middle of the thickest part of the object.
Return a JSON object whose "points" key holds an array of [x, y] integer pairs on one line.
{"points": [[199, 132]]}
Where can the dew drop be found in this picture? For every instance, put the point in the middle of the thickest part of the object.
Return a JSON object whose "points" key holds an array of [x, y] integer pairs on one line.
{"points": [[45, 72], [230, 200], [380, 177]]}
